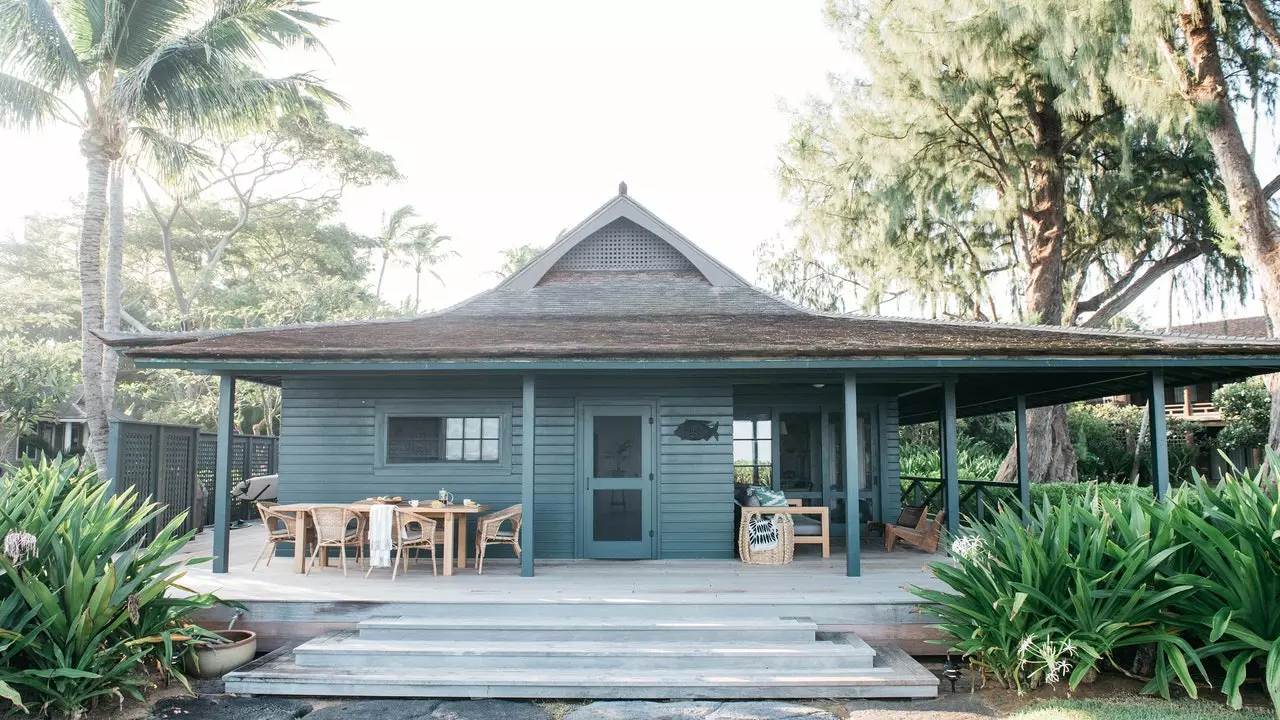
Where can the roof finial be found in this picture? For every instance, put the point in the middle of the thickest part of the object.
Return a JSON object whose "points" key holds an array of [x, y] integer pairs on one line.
{"points": [[622, 188]]}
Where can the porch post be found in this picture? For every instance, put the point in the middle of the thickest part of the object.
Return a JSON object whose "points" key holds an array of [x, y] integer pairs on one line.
{"points": [[950, 463], [1159, 435], [852, 473], [527, 433], [1024, 483], [222, 475]]}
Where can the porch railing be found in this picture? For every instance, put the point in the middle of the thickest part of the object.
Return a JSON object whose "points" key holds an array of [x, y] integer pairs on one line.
{"points": [[975, 495]]}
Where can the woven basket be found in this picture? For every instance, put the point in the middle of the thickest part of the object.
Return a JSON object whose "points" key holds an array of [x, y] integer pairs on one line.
{"points": [[780, 554]]}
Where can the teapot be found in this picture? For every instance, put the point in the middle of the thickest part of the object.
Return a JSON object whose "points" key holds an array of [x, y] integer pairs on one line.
{"points": [[446, 497]]}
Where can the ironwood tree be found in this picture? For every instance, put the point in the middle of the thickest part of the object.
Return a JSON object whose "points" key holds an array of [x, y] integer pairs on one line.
{"points": [[981, 166], [1201, 65]]}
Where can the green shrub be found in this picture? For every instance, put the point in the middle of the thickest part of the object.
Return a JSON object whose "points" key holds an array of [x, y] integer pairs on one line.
{"points": [[1246, 414], [86, 613], [1232, 560], [1058, 493], [1053, 601]]}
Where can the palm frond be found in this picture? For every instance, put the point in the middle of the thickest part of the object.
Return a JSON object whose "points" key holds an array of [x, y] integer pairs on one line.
{"points": [[177, 164], [26, 106], [33, 39], [234, 104], [134, 29]]}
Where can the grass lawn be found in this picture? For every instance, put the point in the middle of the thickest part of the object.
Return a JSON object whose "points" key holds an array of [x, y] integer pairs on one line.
{"points": [[1137, 709]]}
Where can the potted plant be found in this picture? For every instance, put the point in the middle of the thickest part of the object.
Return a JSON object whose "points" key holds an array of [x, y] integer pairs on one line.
{"points": [[222, 652]]}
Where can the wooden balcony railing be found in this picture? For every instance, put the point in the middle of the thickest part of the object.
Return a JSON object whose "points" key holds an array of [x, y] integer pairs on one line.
{"points": [[975, 495], [1193, 411]]}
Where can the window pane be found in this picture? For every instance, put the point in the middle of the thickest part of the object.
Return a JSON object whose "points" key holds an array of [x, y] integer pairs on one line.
{"points": [[453, 450], [764, 429], [453, 428], [413, 439], [471, 450], [490, 429], [742, 429], [472, 428], [764, 452], [489, 450], [742, 451]]}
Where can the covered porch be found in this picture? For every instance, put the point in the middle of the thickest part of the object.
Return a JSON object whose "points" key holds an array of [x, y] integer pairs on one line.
{"points": [[285, 607]]}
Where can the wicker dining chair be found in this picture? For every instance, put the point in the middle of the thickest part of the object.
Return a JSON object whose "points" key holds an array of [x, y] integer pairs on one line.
{"points": [[280, 527], [490, 530], [333, 528], [414, 531]]}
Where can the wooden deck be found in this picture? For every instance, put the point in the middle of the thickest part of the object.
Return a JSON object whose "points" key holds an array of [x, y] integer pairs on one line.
{"points": [[287, 607]]}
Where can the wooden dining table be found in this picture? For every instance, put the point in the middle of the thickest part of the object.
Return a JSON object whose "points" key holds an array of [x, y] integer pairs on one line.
{"points": [[454, 516]]}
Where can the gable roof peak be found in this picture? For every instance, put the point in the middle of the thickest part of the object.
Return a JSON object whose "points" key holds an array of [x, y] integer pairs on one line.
{"points": [[623, 207]]}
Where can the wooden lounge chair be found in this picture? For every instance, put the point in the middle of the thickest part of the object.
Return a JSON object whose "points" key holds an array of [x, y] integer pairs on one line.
{"points": [[414, 531], [333, 527], [490, 530], [280, 527], [924, 536]]}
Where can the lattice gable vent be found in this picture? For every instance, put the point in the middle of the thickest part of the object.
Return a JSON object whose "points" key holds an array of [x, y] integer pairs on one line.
{"points": [[623, 246]]}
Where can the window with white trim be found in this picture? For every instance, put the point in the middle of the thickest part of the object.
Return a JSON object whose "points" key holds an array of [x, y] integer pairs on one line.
{"points": [[421, 439]]}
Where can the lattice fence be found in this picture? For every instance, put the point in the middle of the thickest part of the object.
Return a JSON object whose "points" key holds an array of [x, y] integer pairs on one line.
{"points": [[174, 464], [158, 462], [251, 456]]}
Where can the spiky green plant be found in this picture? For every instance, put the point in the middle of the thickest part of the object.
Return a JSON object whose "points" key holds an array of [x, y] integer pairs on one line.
{"points": [[1232, 560], [1054, 600], [90, 601]]}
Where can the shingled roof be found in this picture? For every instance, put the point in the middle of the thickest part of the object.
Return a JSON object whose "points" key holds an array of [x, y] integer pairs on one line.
{"points": [[625, 285]]}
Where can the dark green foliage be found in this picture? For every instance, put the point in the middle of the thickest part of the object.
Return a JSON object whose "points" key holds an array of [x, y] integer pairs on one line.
{"points": [[87, 612], [1246, 414], [1054, 601], [1232, 560], [1194, 576]]}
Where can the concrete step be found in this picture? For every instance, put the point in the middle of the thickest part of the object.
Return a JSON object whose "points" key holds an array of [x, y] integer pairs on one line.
{"points": [[560, 629], [343, 650], [894, 675]]}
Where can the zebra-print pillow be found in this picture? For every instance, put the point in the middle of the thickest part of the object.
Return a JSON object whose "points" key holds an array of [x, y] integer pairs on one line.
{"points": [[763, 532]]}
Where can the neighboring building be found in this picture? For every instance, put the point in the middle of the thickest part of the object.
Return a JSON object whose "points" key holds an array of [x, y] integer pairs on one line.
{"points": [[1195, 401], [617, 383], [63, 432]]}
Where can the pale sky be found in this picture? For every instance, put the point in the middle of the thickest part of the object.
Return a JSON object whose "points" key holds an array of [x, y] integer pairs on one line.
{"points": [[513, 120]]}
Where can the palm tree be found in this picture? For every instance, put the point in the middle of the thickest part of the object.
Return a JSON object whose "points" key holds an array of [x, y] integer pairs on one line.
{"points": [[133, 75], [397, 229], [515, 258], [423, 251]]}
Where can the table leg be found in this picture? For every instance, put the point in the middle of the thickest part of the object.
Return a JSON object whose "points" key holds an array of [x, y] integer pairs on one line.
{"points": [[462, 541], [300, 545], [448, 543]]}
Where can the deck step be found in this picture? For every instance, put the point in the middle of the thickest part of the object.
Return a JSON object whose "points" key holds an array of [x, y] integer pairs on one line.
{"points": [[894, 675], [561, 629], [339, 650]]}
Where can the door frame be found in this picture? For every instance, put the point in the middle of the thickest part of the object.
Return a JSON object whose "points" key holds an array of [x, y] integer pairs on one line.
{"points": [[581, 464]]}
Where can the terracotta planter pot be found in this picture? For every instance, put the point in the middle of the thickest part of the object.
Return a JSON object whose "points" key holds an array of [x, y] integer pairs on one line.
{"points": [[211, 661]]}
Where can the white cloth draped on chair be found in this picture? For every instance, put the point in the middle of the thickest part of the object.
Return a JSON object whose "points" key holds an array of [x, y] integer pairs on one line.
{"points": [[381, 522]]}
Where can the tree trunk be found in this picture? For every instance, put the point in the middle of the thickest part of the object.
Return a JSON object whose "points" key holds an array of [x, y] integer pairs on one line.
{"points": [[378, 292], [90, 257], [113, 280], [1250, 214], [417, 289], [1050, 453]]}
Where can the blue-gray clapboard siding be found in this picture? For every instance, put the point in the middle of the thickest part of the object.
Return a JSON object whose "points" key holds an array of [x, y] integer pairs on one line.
{"points": [[890, 461], [329, 446]]}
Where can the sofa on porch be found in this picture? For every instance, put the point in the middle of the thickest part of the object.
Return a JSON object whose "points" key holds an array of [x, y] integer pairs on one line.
{"points": [[809, 525]]}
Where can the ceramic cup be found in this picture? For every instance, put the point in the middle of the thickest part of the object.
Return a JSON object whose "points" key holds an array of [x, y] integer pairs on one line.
{"points": [[468, 501], [413, 503]]}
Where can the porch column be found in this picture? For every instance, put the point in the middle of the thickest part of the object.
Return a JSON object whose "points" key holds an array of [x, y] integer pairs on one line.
{"points": [[852, 473], [950, 463], [1159, 435], [222, 475], [527, 432], [1020, 432]]}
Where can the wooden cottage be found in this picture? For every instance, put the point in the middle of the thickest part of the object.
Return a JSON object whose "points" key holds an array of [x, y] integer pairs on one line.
{"points": [[647, 373], [618, 388]]}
